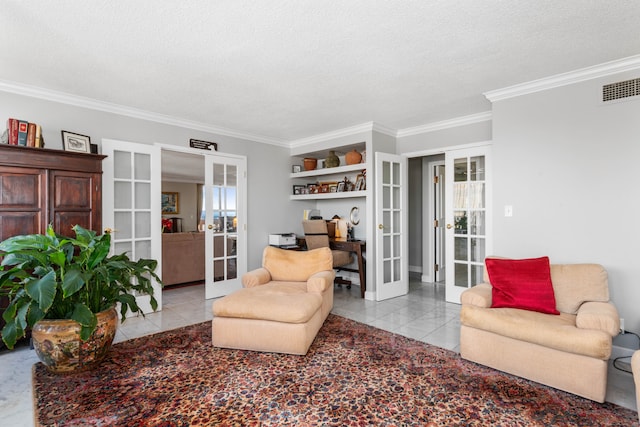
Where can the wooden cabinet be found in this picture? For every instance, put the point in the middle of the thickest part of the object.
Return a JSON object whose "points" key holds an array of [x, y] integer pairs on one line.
{"points": [[40, 186]]}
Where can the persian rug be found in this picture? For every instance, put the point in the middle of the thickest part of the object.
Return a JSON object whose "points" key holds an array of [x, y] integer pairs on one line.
{"points": [[353, 375]]}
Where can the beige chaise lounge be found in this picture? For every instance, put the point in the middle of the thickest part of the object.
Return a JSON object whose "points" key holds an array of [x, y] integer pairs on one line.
{"points": [[282, 306], [569, 351]]}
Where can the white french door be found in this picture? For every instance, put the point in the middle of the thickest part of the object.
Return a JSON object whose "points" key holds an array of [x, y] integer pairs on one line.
{"points": [[467, 179], [225, 224], [130, 204], [391, 195]]}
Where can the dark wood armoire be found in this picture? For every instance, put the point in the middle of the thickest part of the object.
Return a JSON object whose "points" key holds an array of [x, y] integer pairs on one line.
{"points": [[40, 187]]}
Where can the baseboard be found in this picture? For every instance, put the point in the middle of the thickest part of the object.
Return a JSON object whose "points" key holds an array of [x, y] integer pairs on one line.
{"points": [[617, 351]]}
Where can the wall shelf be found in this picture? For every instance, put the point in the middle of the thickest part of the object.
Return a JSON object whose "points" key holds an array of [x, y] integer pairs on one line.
{"points": [[329, 171], [320, 196]]}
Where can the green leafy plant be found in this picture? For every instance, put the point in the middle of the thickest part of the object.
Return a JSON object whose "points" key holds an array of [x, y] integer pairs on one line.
{"points": [[49, 276]]}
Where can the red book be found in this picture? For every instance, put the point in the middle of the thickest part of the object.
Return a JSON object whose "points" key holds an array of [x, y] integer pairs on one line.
{"points": [[31, 135], [23, 127], [12, 127]]}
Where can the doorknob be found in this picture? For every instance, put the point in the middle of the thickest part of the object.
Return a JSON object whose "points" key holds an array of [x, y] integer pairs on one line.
{"points": [[449, 226], [109, 230], [380, 226], [210, 226]]}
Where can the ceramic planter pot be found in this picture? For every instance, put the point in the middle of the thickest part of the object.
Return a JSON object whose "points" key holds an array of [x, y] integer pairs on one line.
{"points": [[60, 349], [353, 157], [310, 163]]}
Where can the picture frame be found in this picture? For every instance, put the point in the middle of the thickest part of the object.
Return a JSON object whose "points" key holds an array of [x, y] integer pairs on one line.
{"points": [[340, 188], [170, 203], [360, 182], [76, 142], [299, 189], [296, 168], [333, 188]]}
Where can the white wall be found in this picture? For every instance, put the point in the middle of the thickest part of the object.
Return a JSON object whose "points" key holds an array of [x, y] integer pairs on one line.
{"points": [[568, 166], [268, 166]]}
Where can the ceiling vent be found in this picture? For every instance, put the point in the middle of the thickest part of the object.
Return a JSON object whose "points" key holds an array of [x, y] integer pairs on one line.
{"points": [[621, 90]]}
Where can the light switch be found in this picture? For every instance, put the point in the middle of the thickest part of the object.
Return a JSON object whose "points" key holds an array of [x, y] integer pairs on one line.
{"points": [[508, 210]]}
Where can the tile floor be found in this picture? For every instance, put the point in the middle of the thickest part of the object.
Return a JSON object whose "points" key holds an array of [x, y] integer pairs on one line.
{"points": [[422, 315]]}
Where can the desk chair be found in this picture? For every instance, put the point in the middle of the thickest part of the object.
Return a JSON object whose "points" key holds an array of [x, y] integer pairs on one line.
{"points": [[316, 235]]}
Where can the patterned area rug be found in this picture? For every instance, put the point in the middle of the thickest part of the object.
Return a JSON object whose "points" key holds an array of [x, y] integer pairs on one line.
{"points": [[353, 375]]}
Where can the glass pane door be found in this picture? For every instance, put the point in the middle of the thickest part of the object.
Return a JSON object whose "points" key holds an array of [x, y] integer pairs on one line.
{"points": [[392, 271], [467, 226], [131, 200], [224, 212]]}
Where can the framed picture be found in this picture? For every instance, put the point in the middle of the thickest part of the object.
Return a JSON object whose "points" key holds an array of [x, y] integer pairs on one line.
{"points": [[340, 188], [76, 142], [360, 183], [333, 188], [170, 203], [299, 189], [296, 168]]}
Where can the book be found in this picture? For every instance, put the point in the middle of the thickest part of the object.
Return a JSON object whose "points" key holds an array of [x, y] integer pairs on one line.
{"points": [[12, 127], [5, 137], [38, 138], [23, 127], [31, 135]]}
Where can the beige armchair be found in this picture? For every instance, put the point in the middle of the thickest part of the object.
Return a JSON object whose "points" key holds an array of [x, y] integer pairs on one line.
{"points": [[282, 306], [635, 368], [569, 351]]}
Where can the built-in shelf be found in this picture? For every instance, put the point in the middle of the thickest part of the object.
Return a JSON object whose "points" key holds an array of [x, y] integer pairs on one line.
{"points": [[318, 196], [329, 171]]}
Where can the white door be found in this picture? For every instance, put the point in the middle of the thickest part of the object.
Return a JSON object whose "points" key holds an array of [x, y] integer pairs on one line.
{"points": [[131, 204], [391, 195], [467, 179], [225, 224], [439, 221]]}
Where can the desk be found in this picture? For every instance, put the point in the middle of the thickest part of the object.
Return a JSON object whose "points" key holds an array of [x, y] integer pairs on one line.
{"points": [[358, 247]]}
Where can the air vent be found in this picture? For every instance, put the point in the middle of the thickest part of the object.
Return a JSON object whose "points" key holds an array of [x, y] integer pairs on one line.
{"points": [[621, 90]]}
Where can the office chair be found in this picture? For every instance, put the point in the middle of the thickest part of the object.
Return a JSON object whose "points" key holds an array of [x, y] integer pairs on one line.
{"points": [[316, 235]]}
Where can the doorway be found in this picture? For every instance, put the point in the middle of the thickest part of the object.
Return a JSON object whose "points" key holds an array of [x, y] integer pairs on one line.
{"points": [[212, 215]]}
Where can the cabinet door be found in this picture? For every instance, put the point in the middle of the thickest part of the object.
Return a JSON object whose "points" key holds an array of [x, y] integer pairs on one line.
{"points": [[74, 199], [22, 201]]}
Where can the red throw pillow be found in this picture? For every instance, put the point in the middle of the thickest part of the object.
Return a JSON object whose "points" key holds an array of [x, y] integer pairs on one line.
{"points": [[522, 283]]}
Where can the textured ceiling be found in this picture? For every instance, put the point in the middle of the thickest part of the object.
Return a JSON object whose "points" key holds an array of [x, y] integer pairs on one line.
{"points": [[287, 70]]}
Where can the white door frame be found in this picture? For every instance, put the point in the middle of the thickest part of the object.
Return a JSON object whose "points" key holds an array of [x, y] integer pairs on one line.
{"points": [[429, 237], [242, 253]]}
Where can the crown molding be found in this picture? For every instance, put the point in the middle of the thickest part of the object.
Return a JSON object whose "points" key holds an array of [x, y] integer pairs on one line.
{"points": [[446, 124], [352, 130], [93, 104], [564, 79]]}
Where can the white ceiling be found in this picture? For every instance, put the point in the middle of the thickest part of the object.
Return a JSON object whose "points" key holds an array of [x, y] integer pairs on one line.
{"points": [[288, 70]]}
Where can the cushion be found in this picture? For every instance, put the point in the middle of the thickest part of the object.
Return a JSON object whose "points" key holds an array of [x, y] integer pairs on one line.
{"points": [[522, 283]]}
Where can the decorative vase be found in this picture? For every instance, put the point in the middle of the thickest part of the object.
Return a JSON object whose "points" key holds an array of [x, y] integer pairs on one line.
{"points": [[332, 160], [310, 163], [353, 157], [60, 349]]}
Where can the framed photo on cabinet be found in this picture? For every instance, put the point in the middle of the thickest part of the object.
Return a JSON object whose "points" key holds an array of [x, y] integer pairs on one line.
{"points": [[76, 142]]}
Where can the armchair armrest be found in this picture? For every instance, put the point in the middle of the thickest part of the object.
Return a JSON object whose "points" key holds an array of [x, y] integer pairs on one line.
{"points": [[256, 277], [478, 295], [602, 316], [320, 281]]}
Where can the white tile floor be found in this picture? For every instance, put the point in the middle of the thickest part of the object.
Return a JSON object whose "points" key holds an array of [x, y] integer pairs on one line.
{"points": [[422, 315]]}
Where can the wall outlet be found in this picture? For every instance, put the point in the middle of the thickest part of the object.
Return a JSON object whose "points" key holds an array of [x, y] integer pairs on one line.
{"points": [[621, 325]]}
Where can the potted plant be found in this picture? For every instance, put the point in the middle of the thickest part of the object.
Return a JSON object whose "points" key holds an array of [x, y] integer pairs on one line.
{"points": [[54, 283]]}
